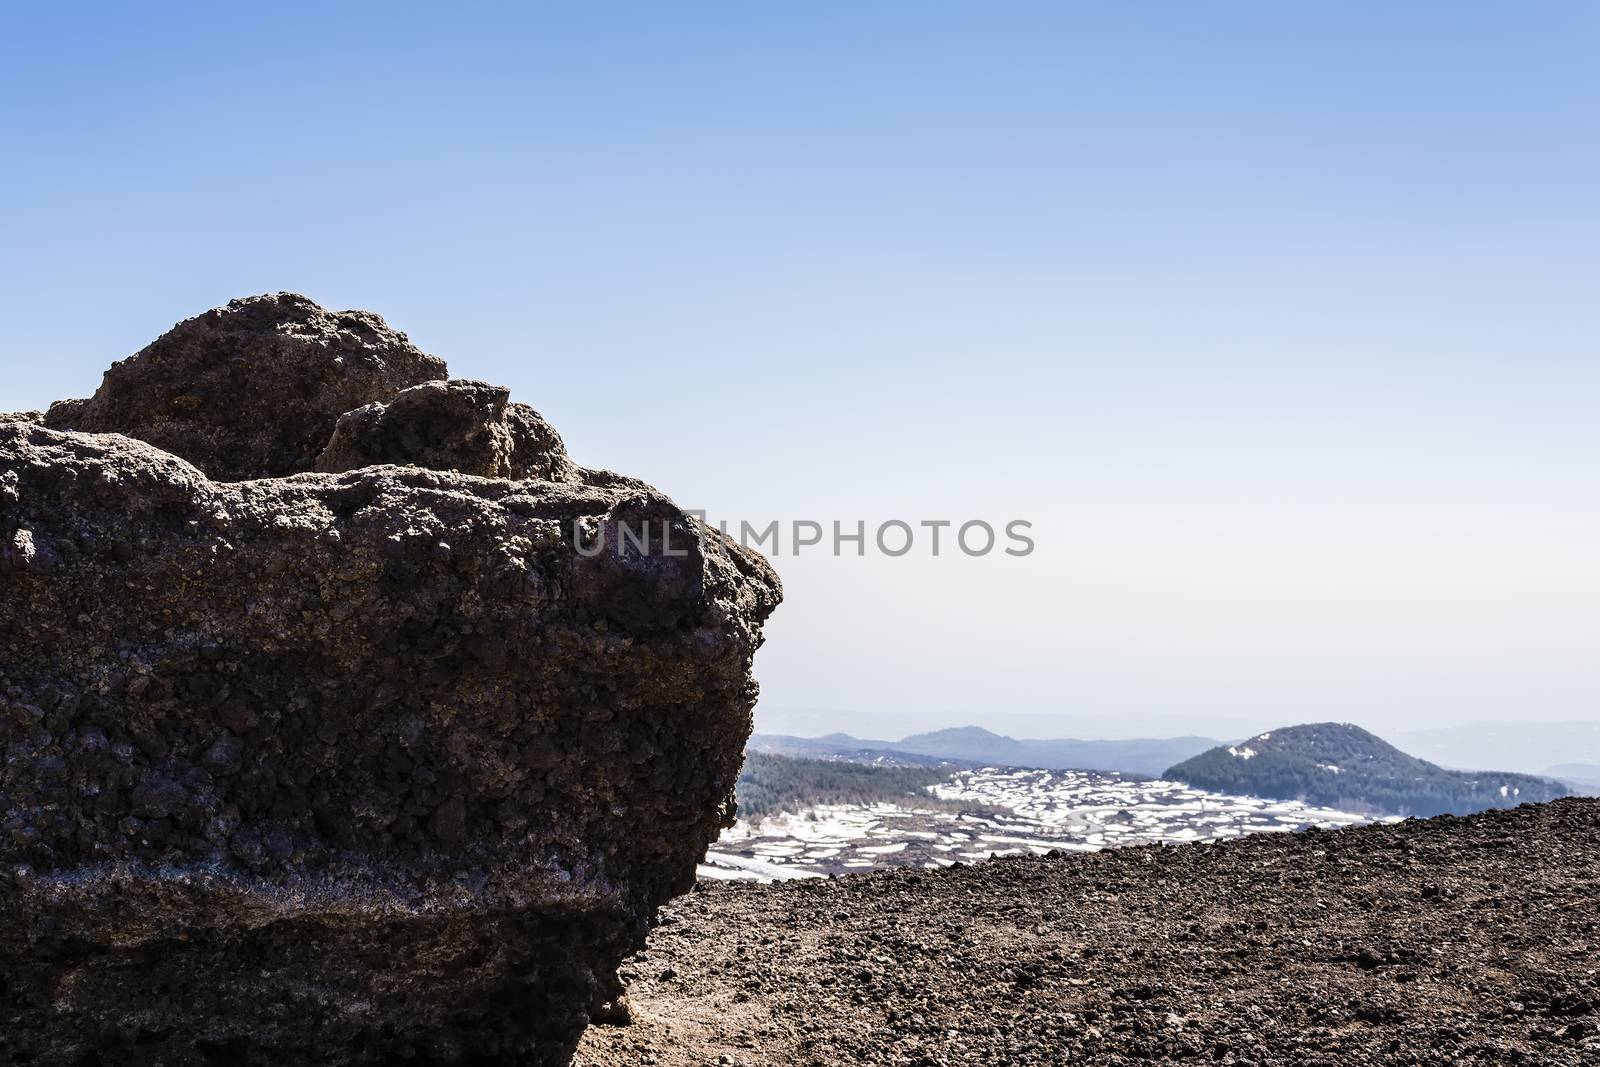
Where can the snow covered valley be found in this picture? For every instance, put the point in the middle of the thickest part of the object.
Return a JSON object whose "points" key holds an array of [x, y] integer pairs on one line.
{"points": [[997, 811]]}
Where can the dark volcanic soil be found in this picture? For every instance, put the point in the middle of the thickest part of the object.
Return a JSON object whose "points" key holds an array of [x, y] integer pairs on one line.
{"points": [[1442, 941]]}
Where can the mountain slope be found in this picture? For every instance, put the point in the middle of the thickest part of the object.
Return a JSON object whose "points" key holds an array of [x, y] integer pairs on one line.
{"points": [[1343, 766], [973, 745], [1448, 941]]}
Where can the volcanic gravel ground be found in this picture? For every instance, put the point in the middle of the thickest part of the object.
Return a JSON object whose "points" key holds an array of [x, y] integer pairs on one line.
{"points": [[1442, 941]]}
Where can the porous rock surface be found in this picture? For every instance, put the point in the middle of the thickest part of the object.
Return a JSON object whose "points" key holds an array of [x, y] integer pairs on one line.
{"points": [[341, 767], [455, 425], [252, 389]]}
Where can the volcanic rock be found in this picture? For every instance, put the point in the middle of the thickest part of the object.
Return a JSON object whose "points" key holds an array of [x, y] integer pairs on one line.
{"points": [[452, 425], [393, 763], [253, 389]]}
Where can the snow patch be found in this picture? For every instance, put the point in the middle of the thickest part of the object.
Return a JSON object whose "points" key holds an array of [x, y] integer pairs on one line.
{"points": [[1008, 812], [725, 865]]}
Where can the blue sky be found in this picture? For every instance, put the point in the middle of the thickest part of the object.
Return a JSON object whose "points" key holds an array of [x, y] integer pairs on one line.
{"points": [[1278, 321]]}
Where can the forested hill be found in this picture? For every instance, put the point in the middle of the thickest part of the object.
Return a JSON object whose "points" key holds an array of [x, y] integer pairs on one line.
{"points": [[1342, 766], [975, 746], [770, 784]]}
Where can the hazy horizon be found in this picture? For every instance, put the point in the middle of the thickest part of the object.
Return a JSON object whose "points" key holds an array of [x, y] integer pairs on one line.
{"points": [[866, 725], [1277, 323], [1526, 746]]}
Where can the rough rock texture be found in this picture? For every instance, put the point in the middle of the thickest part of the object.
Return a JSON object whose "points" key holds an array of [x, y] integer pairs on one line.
{"points": [[1449, 941], [251, 390], [537, 451], [454, 425], [342, 768]]}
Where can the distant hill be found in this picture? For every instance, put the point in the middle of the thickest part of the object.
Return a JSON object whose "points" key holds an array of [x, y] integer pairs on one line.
{"points": [[771, 783], [1147, 756], [1514, 746], [1582, 778], [846, 748], [1338, 765], [973, 745]]}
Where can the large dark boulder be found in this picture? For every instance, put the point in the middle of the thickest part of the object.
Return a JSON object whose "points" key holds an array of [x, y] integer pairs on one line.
{"points": [[386, 764]]}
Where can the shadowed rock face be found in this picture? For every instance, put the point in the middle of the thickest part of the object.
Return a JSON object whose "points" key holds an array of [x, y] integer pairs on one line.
{"points": [[340, 768], [251, 390]]}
